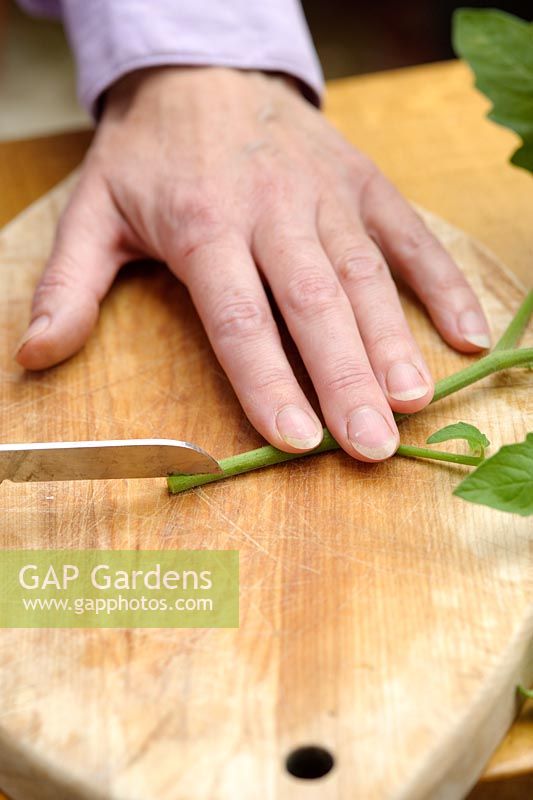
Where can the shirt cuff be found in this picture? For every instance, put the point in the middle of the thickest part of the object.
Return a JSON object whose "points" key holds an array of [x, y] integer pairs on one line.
{"points": [[111, 38]]}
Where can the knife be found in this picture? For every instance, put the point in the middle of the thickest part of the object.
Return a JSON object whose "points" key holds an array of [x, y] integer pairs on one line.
{"points": [[120, 458]]}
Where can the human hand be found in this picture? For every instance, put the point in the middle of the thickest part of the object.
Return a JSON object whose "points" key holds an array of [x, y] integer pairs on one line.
{"points": [[230, 177]]}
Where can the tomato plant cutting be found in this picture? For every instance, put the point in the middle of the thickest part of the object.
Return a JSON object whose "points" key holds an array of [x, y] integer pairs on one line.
{"points": [[503, 481], [498, 47]]}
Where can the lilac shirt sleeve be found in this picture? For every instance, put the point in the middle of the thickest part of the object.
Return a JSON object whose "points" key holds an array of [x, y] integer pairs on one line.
{"points": [[113, 37]]}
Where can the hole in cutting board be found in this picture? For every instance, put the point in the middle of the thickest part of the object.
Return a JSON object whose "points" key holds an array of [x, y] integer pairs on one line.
{"points": [[309, 762]]}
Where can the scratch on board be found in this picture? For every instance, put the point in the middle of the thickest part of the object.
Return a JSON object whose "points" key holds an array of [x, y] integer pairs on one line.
{"points": [[206, 498]]}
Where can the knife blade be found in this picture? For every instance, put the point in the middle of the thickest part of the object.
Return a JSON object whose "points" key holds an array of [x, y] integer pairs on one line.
{"points": [[119, 458]]}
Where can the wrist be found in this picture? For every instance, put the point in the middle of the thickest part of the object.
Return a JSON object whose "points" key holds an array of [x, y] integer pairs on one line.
{"points": [[150, 80]]}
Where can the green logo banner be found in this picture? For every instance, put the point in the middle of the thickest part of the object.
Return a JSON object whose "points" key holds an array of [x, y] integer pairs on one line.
{"points": [[119, 589]]}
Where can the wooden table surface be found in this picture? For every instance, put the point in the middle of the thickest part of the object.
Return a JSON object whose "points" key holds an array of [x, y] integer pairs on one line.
{"points": [[425, 127]]}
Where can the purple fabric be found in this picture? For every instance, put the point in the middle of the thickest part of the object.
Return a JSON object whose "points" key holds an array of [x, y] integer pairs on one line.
{"points": [[113, 37]]}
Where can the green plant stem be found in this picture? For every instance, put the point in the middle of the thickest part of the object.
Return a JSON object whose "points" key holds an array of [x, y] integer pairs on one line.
{"points": [[489, 364], [245, 462], [492, 362], [267, 456], [439, 455], [513, 333]]}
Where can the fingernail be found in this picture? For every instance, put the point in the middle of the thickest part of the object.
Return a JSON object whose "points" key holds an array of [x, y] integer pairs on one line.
{"points": [[38, 326], [298, 429], [405, 382], [474, 328], [370, 434]]}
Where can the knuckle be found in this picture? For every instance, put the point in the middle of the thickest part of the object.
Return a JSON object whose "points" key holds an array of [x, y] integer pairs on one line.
{"points": [[272, 190], [360, 167], [311, 292], [193, 217], [416, 239], [58, 277], [363, 173], [366, 164], [61, 280], [350, 376], [272, 381], [449, 283], [298, 247], [202, 214], [389, 339], [239, 315], [361, 266]]}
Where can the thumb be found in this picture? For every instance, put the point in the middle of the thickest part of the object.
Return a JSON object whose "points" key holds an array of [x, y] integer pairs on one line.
{"points": [[84, 262]]}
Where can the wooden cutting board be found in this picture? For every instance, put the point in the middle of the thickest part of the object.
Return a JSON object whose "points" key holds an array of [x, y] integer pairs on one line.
{"points": [[381, 618]]}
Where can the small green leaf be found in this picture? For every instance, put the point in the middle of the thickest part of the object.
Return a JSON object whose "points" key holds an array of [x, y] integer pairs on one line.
{"points": [[499, 49], [525, 692], [477, 441], [503, 481]]}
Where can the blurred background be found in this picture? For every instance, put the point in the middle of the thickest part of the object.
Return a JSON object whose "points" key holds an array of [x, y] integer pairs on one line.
{"points": [[356, 37], [37, 80]]}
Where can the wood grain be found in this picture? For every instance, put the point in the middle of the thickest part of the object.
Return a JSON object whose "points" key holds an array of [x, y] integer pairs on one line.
{"points": [[368, 593], [284, 667]]}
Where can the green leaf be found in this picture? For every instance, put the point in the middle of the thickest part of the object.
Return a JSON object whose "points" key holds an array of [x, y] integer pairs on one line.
{"points": [[499, 50], [525, 692], [503, 481], [477, 441]]}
